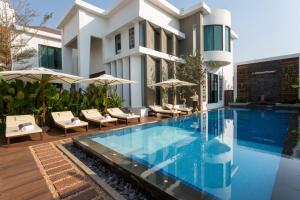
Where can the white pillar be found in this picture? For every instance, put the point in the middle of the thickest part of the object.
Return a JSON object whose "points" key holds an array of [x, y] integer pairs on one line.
{"points": [[67, 63], [84, 48], [126, 88], [119, 69], [113, 72], [107, 68], [135, 75]]}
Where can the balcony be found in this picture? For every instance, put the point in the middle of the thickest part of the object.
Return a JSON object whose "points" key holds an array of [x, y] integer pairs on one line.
{"points": [[217, 58]]}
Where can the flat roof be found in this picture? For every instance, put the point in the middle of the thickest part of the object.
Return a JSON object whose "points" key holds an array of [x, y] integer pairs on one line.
{"points": [[269, 59], [163, 4]]}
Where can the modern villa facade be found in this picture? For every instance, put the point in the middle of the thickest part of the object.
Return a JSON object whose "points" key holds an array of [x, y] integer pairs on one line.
{"points": [[144, 40]]}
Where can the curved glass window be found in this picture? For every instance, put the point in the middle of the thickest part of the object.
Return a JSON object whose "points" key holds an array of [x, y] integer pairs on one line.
{"points": [[227, 39], [213, 38]]}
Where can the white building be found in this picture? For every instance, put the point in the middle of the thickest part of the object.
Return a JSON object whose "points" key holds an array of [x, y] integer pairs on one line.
{"points": [[45, 41], [142, 40], [47, 44]]}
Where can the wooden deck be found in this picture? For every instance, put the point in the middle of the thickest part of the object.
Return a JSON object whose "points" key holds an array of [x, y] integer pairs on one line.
{"points": [[20, 177]]}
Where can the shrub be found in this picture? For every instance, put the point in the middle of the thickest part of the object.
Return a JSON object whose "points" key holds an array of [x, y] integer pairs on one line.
{"points": [[17, 97], [241, 100]]}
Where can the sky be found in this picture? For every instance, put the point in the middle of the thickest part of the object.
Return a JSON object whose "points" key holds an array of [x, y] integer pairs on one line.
{"points": [[266, 28]]}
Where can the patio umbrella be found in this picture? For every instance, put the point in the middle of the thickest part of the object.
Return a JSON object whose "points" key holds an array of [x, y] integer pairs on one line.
{"points": [[107, 81], [173, 83], [42, 75]]}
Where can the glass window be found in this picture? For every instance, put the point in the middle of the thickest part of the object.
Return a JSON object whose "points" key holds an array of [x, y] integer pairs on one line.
{"points": [[227, 39], [131, 38], [212, 88], [50, 57], [213, 38], [142, 34], [118, 43]]}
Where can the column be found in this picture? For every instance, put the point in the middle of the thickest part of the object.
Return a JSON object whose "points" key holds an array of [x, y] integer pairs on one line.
{"points": [[135, 75], [119, 74], [67, 63], [126, 87], [84, 48]]}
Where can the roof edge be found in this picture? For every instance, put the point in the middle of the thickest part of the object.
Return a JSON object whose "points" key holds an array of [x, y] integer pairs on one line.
{"points": [[287, 56]]}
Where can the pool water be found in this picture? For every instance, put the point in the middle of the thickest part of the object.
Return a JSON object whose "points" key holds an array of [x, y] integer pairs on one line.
{"points": [[229, 153]]}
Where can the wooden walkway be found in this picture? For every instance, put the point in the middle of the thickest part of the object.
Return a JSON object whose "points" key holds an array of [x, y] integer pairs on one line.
{"points": [[21, 178]]}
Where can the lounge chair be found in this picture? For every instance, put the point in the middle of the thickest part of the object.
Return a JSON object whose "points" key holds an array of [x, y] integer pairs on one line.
{"points": [[64, 120], [117, 113], [94, 115], [13, 130], [178, 108], [159, 110]]}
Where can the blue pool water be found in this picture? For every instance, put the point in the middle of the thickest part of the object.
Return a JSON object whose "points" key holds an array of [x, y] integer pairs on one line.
{"points": [[229, 153]]}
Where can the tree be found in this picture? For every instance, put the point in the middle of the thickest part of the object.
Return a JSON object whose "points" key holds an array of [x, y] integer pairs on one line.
{"points": [[16, 17], [193, 70]]}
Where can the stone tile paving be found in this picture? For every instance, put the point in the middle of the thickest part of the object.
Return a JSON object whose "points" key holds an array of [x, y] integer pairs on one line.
{"points": [[64, 179]]}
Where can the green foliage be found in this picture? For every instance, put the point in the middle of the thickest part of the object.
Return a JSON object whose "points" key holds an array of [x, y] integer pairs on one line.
{"points": [[115, 101], [17, 98], [241, 100], [193, 70]]}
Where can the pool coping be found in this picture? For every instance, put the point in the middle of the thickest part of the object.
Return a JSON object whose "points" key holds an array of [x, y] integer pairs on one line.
{"points": [[133, 169], [157, 184]]}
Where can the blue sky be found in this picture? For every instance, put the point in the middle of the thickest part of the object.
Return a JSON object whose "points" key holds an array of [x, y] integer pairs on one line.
{"points": [[265, 27]]}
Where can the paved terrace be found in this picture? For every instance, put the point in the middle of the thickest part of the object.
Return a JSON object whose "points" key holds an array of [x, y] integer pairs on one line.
{"points": [[34, 169]]}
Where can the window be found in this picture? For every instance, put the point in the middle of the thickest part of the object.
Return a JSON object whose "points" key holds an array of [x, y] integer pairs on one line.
{"points": [[50, 57], [194, 39], [212, 88], [131, 38], [118, 43], [227, 39], [220, 88], [213, 38], [142, 34]]}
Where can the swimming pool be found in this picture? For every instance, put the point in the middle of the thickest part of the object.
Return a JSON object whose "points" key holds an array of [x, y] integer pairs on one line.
{"points": [[224, 154]]}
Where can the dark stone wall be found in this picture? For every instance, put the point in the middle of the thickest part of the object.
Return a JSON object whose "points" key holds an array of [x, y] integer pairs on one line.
{"points": [[272, 79]]}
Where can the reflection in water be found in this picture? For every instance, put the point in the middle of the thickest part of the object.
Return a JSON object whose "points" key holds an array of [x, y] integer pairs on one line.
{"points": [[222, 152]]}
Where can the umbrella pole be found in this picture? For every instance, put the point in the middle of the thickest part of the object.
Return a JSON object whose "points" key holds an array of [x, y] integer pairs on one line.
{"points": [[106, 98], [43, 103]]}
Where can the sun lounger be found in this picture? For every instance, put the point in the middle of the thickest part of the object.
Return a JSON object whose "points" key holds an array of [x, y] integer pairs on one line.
{"points": [[160, 110], [94, 115], [178, 108], [64, 120], [117, 113], [14, 125]]}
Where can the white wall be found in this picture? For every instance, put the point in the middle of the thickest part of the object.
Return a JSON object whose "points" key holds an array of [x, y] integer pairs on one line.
{"points": [[71, 29], [119, 74], [126, 88], [124, 15], [96, 59], [152, 13], [39, 38], [135, 75], [158, 17]]}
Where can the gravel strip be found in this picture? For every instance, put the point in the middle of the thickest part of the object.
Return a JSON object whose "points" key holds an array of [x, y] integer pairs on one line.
{"points": [[124, 187]]}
